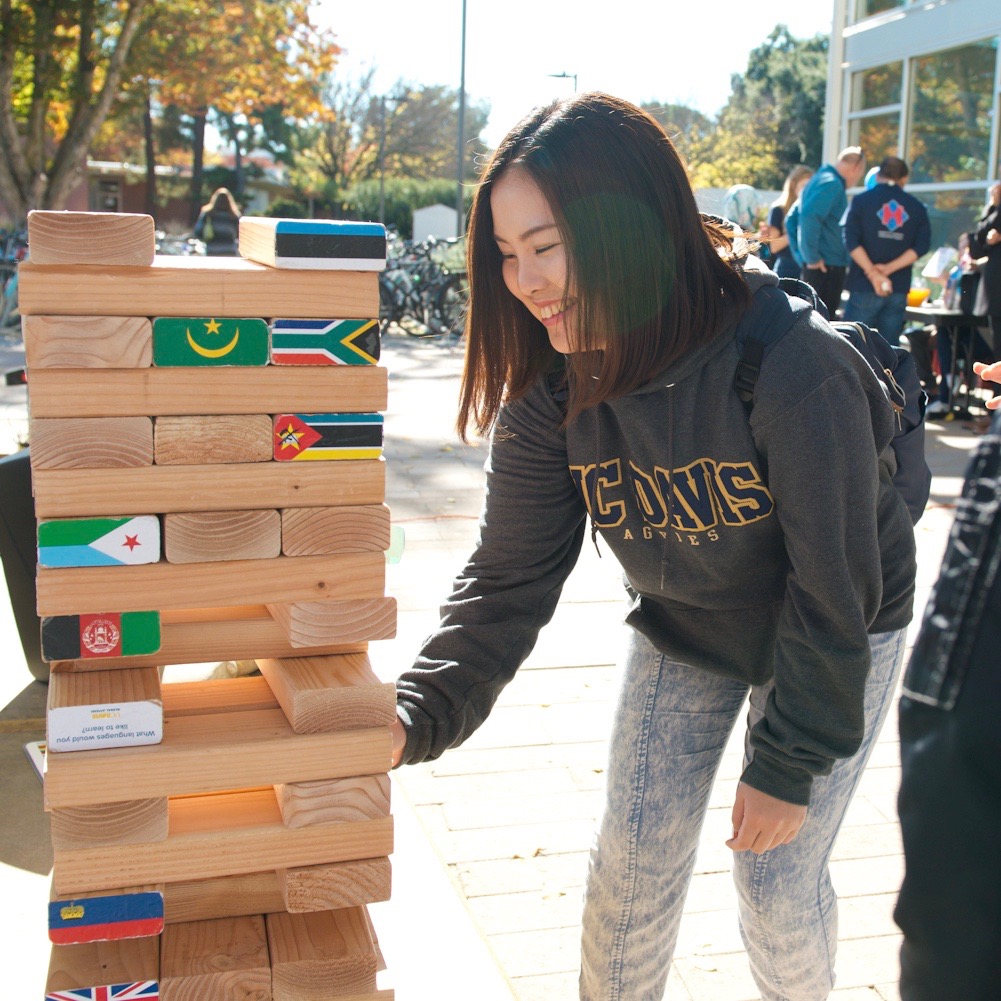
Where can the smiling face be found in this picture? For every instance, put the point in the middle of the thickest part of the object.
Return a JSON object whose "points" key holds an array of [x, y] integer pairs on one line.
{"points": [[534, 258]]}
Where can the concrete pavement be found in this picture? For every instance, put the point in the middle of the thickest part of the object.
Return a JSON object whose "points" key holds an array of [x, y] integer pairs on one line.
{"points": [[493, 838]]}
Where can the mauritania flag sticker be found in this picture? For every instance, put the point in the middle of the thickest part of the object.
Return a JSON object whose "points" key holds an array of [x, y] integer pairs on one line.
{"points": [[207, 341], [324, 342], [301, 437], [99, 542]]}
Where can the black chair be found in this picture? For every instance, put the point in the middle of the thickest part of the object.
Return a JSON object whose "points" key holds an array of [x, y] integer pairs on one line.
{"points": [[18, 554]]}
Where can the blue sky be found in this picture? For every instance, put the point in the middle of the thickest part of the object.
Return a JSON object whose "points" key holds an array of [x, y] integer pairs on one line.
{"points": [[637, 49]]}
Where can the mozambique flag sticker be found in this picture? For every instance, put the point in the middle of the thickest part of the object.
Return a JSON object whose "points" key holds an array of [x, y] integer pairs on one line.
{"points": [[100, 634], [327, 436], [324, 342], [99, 542], [203, 341]]}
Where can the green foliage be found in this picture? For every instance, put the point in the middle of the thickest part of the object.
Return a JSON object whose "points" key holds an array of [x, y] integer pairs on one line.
{"points": [[402, 196], [288, 208]]}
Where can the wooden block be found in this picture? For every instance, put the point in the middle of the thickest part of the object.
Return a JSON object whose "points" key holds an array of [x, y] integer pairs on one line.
{"points": [[191, 698], [217, 751], [192, 441], [321, 694], [322, 955], [131, 822], [200, 392], [213, 836], [91, 238], [191, 636], [168, 489], [332, 801], [104, 968], [324, 342], [305, 888], [209, 536], [330, 887], [134, 912], [99, 542], [314, 623], [103, 709], [87, 342], [91, 442], [100, 636], [225, 959], [64, 590], [195, 286], [208, 342], [302, 437], [312, 531], [314, 244]]}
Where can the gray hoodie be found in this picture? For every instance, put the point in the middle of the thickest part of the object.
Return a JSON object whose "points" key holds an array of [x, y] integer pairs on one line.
{"points": [[762, 546]]}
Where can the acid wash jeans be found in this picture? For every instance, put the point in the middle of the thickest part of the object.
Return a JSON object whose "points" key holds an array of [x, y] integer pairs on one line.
{"points": [[671, 726]]}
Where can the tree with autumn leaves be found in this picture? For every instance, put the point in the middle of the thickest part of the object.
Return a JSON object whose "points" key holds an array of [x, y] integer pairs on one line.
{"points": [[65, 63]]}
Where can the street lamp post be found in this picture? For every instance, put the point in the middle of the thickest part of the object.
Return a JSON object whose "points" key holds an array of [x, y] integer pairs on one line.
{"points": [[396, 99], [565, 76], [461, 151]]}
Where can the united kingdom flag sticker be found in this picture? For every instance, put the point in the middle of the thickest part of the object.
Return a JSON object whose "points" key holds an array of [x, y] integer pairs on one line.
{"points": [[892, 215]]}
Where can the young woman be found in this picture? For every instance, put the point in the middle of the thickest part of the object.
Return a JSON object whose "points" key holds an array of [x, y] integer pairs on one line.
{"points": [[784, 264], [766, 553], [218, 224]]}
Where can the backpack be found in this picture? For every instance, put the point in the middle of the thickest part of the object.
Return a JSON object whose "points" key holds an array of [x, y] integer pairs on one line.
{"points": [[774, 312]]}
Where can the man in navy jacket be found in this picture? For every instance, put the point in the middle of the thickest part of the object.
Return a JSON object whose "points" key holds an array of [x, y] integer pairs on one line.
{"points": [[885, 231]]}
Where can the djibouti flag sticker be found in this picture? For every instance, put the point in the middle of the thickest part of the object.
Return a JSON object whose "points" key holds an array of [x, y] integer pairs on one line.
{"points": [[207, 341], [99, 542]]}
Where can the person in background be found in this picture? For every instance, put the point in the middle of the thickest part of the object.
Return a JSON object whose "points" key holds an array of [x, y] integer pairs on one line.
{"points": [[822, 207], [218, 224], [886, 230], [740, 205], [985, 247], [949, 905], [783, 261], [756, 549]]}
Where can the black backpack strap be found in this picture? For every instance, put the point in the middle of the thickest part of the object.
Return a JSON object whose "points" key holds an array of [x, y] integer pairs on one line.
{"points": [[771, 315]]}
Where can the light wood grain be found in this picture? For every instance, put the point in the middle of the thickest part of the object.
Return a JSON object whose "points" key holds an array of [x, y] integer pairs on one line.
{"points": [[337, 692], [87, 342], [333, 801], [315, 623], [131, 822], [193, 441], [75, 590], [305, 888], [195, 392], [213, 536], [188, 636], [321, 955], [212, 752], [214, 836], [99, 964], [225, 959], [91, 443], [311, 531], [196, 286], [190, 698], [120, 238], [68, 493]]}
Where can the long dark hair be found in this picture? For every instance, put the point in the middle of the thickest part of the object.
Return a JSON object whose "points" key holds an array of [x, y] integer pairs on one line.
{"points": [[651, 277]]}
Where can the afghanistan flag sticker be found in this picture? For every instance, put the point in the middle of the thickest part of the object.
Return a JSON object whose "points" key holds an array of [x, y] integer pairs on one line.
{"points": [[99, 542], [327, 436], [100, 634]]}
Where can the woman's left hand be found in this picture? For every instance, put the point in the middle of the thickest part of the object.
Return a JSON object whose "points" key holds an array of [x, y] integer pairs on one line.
{"points": [[762, 822]]}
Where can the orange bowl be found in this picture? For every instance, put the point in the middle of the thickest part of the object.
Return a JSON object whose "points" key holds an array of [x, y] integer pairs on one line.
{"points": [[917, 296]]}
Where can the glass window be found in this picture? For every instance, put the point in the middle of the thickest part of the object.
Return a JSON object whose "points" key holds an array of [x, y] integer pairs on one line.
{"points": [[876, 134], [877, 87], [866, 8], [951, 213], [951, 98]]}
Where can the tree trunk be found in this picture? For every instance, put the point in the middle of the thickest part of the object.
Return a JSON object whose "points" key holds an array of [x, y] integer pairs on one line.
{"points": [[150, 154], [197, 164], [238, 164]]}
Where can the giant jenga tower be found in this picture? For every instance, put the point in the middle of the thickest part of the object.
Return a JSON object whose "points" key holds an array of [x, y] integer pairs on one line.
{"points": [[206, 456]]}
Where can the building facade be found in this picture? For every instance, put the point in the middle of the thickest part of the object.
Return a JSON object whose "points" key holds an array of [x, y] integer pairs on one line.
{"points": [[922, 81]]}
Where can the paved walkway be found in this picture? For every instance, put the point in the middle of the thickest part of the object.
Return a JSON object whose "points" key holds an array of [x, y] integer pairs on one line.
{"points": [[493, 838]]}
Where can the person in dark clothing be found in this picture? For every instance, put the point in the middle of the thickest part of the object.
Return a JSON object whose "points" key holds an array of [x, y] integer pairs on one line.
{"points": [[885, 231], [821, 210], [783, 261], [601, 353], [949, 905], [218, 224], [985, 246]]}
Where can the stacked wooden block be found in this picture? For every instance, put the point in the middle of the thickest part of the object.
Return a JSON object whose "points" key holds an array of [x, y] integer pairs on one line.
{"points": [[212, 839]]}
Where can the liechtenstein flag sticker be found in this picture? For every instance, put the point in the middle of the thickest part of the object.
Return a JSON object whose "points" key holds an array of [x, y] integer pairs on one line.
{"points": [[99, 542]]}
